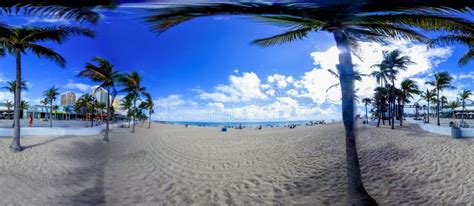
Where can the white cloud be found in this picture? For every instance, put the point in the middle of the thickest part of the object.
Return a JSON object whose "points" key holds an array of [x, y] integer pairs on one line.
{"points": [[315, 83], [79, 86], [280, 80], [243, 88]]}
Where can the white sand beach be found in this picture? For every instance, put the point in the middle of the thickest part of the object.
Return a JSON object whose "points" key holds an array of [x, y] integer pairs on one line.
{"points": [[174, 165]]}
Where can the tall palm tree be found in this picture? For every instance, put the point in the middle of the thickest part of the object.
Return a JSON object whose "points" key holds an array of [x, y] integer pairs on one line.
{"points": [[464, 95], [19, 41], [453, 105], [366, 102], [393, 62], [442, 81], [103, 72], [408, 88], [429, 96], [126, 104], [51, 95], [148, 104], [133, 88], [349, 23], [381, 76]]}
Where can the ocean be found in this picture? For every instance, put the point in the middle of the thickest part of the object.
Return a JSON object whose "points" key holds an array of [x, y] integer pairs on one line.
{"points": [[244, 124]]}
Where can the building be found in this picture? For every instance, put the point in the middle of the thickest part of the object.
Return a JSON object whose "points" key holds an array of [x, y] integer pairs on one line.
{"points": [[99, 93], [68, 98]]}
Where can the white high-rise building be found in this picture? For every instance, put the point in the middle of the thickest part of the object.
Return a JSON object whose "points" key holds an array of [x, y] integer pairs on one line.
{"points": [[100, 94]]}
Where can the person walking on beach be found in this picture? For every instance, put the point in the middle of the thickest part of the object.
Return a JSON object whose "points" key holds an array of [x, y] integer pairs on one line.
{"points": [[30, 121]]}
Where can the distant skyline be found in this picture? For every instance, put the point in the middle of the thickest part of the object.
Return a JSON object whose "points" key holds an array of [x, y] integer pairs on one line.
{"points": [[206, 70]]}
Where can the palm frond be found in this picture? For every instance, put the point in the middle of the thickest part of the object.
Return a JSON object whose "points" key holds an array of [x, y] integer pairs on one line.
{"points": [[48, 53], [466, 58], [286, 37]]}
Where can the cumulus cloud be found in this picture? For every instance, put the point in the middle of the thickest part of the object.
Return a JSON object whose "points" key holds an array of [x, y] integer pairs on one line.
{"points": [[79, 86], [243, 88], [315, 82]]}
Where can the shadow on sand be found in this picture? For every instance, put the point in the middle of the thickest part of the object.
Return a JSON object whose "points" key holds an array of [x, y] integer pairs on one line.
{"points": [[89, 176]]}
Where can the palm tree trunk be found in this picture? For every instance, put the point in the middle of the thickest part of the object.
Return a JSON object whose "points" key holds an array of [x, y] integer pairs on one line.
{"points": [[149, 119], [462, 114], [402, 107], [133, 114], [51, 115], [106, 135], [366, 115], [357, 195], [437, 106], [15, 145], [393, 103], [428, 111]]}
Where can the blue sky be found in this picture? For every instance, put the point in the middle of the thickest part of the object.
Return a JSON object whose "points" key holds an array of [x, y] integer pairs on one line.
{"points": [[206, 70]]}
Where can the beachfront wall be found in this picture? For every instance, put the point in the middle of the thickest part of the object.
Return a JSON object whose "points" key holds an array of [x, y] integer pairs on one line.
{"points": [[56, 131], [465, 132]]}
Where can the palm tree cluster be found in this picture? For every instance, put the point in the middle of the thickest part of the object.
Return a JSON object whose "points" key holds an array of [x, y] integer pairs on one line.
{"points": [[101, 71]]}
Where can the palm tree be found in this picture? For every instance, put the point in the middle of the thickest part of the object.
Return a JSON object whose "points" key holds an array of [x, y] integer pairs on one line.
{"points": [[11, 86], [126, 104], [428, 96], [19, 41], [366, 101], [9, 105], [45, 103], [443, 102], [86, 104], [408, 87], [55, 109], [148, 104], [453, 105], [104, 74], [381, 76], [51, 94], [393, 62], [67, 110], [24, 105], [442, 81], [357, 77], [464, 95], [100, 107], [349, 23], [132, 85]]}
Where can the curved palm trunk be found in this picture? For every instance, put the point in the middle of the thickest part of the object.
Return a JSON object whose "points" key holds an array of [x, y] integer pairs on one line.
{"points": [[462, 114], [437, 106], [106, 134], [357, 194], [15, 145]]}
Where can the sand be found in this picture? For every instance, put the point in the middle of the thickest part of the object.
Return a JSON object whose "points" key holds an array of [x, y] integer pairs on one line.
{"points": [[172, 165]]}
